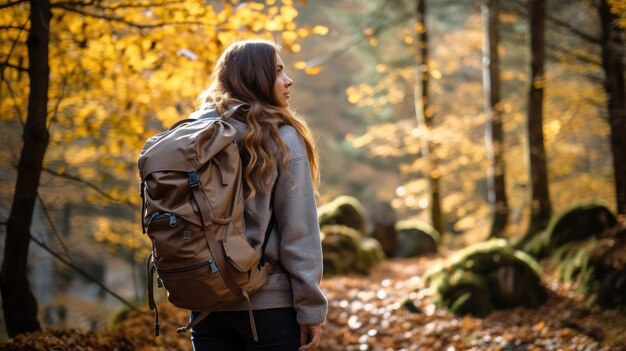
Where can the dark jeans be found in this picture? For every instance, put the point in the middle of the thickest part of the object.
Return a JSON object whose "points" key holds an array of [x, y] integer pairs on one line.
{"points": [[277, 329]]}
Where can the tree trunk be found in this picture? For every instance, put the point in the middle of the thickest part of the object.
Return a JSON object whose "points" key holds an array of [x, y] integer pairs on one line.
{"points": [[494, 136], [425, 116], [540, 207], [18, 303], [612, 56]]}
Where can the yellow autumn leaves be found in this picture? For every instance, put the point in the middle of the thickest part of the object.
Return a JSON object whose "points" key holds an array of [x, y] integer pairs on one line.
{"points": [[121, 71]]}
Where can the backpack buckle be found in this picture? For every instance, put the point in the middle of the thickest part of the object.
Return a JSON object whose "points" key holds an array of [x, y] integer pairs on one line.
{"points": [[194, 181]]}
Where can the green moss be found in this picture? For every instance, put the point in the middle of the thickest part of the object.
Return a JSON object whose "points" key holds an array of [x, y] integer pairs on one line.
{"points": [[462, 292], [340, 245], [485, 276], [409, 224], [575, 223], [344, 210], [371, 253], [480, 257], [346, 251]]}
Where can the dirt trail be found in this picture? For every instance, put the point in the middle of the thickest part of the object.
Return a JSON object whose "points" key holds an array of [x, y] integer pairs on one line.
{"points": [[392, 310]]}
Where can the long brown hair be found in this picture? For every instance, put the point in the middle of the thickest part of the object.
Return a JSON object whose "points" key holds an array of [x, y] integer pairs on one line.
{"points": [[246, 73]]}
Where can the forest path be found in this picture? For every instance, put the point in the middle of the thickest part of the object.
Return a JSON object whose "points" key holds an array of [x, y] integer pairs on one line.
{"points": [[373, 313]]}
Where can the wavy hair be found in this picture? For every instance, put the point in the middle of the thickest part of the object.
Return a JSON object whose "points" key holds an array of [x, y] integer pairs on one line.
{"points": [[246, 73]]}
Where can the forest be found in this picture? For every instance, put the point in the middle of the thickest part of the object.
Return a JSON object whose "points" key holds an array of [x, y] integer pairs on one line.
{"points": [[473, 164]]}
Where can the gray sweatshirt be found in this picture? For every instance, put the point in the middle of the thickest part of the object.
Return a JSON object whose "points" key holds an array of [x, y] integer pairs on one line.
{"points": [[295, 238]]}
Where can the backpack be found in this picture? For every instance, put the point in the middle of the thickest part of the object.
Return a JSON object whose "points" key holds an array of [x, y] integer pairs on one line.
{"points": [[192, 210]]}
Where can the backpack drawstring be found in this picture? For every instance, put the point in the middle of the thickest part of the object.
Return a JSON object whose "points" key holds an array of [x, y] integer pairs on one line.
{"points": [[250, 315], [151, 304]]}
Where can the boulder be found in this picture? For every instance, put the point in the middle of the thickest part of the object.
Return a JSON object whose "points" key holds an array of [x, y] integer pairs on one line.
{"points": [[340, 246], [579, 223], [344, 210], [383, 225], [346, 251], [575, 223], [466, 293], [487, 276], [415, 238], [596, 266], [371, 254]]}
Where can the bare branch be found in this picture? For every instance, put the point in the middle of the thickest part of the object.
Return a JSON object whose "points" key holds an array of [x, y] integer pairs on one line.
{"points": [[19, 68], [552, 46], [84, 274], [17, 105], [356, 40], [589, 58], [53, 227], [119, 6], [558, 23], [122, 20], [148, 5], [75, 3], [576, 56], [12, 27], [55, 112], [88, 184], [9, 4], [6, 61]]}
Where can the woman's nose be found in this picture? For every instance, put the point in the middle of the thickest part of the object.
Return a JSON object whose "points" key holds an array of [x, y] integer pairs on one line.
{"points": [[288, 82]]}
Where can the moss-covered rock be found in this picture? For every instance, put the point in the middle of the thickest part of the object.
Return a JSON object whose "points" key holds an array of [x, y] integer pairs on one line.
{"points": [[340, 245], [344, 210], [608, 263], [575, 223], [383, 225], [467, 293], [346, 251], [597, 266], [371, 254], [415, 238], [487, 276], [580, 223]]}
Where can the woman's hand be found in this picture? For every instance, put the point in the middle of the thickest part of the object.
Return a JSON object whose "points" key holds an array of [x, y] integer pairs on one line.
{"points": [[310, 336]]}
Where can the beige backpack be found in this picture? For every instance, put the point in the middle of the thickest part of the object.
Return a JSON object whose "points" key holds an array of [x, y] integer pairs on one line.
{"points": [[192, 211]]}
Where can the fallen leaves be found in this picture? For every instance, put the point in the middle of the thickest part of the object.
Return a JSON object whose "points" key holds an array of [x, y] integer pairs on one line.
{"points": [[392, 310], [387, 311], [62, 340]]}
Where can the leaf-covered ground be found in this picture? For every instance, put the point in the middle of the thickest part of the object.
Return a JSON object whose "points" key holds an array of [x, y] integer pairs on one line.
{"points": [[391, 310], [388, 310]]}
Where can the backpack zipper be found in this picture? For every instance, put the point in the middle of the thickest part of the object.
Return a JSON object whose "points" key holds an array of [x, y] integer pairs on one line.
{"points": [[210, 263], [157, 214]]}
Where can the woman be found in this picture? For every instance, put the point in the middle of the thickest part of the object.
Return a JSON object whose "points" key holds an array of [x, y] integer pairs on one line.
{"points": [[280, 180]]}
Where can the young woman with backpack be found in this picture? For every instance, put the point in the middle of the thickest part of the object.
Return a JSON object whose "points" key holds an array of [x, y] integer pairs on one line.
{"points": [[281, 176]]}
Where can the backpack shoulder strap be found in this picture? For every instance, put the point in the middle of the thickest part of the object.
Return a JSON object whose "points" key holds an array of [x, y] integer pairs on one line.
{"points": [[268, 231], [209, 111], [230, 111]]}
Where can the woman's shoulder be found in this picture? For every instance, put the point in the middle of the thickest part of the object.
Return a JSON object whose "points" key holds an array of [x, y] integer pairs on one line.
{"points": [[292, 140], [289, 134]]}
